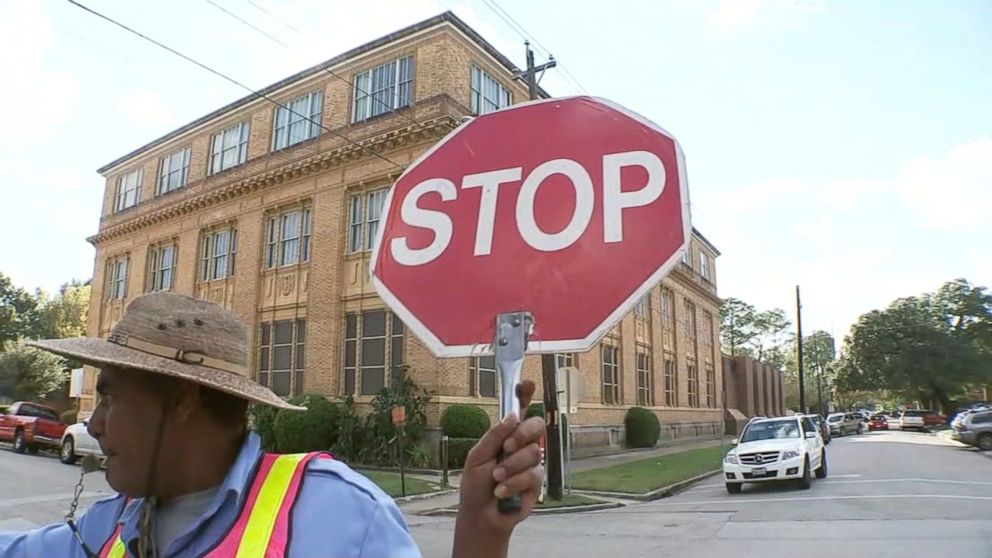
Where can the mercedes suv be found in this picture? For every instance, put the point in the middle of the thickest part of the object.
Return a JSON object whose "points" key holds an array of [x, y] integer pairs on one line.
{"points": [[776, 449]]}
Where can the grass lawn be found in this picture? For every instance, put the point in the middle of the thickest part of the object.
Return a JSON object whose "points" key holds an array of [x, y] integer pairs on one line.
{"points": [[570, 500], [390, 483], [637, 477]]}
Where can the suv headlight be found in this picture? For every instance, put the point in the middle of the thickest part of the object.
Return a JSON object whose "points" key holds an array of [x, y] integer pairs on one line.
{"points": [[789, 454], [731, 458]]}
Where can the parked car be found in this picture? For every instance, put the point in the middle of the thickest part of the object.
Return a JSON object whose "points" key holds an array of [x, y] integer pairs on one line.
{"points": [[878, 422], [920, 419], [975, 430], [842, 424], [776, 449], [821, 427], [77, 442], [30, 427]]}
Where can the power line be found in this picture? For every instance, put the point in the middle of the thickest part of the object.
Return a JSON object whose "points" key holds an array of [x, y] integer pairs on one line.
{"points": [[270, 14], [524, 34], [234, 81], [223, 9], [328, 71]]}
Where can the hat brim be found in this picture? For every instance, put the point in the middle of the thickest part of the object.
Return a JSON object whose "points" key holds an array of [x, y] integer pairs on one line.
{"points": [[100, 352]]}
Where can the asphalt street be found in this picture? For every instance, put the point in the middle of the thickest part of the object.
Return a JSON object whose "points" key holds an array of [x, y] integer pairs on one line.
{"points": [[888, 494]]}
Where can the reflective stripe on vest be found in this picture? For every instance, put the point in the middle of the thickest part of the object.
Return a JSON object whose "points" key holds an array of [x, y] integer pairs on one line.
{"points": [[262, 527]]}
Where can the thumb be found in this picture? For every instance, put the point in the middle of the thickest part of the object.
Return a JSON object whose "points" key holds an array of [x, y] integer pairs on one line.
{"points": [[489, 446]]}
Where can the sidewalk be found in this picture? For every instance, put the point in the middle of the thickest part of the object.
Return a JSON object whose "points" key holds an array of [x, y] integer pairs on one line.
{"points": [[583, 464]]}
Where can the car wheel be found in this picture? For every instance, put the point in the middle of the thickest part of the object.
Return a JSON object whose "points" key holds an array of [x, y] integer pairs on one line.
{"points": [[19, 444], [67, 454], [821, 473], [734, 487], [984, 441], [807, 480]]}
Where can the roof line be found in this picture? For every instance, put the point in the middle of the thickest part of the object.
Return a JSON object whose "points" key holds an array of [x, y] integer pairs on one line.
{"points": [[447, 16], [709, 244]]}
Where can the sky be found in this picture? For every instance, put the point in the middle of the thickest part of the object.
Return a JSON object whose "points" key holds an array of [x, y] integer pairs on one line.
{"points": [[843, 146]]}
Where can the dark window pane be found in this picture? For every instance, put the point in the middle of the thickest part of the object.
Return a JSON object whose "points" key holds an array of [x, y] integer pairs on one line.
{"points": [[373, 380], [281, 358], [349, 354], [300, 357], [280, 383], [396, 352], [374, 324], [265, 334], [373, 352], [351, 326], [487, 383], [487, 362], [473, 374], [263, 378], [301, 331], [298, 387], [398, 327], [349, 382], [263, 359], [284, 332]]}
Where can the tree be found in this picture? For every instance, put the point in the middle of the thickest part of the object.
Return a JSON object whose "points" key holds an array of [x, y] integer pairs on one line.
{"points": [[18, 313], [65, 315], [934, 346], [737, 326], [27, 373], [772, 330]]}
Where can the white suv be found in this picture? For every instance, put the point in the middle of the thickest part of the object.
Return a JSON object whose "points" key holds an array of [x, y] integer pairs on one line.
{"points": [[775, 449]]}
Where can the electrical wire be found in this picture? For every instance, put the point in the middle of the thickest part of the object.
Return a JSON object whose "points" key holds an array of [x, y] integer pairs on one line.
{"points": [[246, 22]]}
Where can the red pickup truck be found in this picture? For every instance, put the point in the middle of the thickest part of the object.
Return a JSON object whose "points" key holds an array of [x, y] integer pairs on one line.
{"points": [[30, 426]]}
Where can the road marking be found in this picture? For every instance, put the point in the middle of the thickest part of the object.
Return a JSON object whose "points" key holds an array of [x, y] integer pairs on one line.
{"points": [[725, 501], [844, 476]]}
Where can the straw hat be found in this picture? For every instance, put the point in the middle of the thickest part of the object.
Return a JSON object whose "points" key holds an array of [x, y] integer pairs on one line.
{"points": [[178, 336]]}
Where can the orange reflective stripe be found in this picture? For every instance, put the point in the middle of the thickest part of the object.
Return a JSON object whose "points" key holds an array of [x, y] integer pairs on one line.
{"points": [[114, 547], [118, 550], [262, 520]]}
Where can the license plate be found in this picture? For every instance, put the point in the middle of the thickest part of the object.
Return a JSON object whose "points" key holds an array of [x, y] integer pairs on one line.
{"points": [[758, 471]]}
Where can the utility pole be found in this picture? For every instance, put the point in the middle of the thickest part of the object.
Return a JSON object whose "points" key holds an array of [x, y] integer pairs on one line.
{"points": [[799, 350], [819, 387], [549, 363]]}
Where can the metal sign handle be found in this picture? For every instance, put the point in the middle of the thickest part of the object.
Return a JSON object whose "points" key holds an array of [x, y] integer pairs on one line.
{"points": [[510, 345]]}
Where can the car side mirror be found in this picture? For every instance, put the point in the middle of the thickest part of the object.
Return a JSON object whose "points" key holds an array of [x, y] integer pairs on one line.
{"points": [[811, 434], [734, 442]]}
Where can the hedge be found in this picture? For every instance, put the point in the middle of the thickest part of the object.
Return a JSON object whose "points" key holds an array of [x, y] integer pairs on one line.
{"points": [[643, 428], [311, 430], [263, 422], [458, 449], [70, 416], [534, 410], [464, 421]]}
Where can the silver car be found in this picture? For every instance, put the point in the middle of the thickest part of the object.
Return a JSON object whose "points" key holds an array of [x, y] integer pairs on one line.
{"points": [[975, 430]]}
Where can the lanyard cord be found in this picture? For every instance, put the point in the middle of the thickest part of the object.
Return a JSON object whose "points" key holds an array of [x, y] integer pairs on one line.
{"points": [[147, 547]]}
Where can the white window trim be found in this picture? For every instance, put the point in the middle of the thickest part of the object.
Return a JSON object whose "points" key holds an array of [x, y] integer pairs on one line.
{"points": [[362, 90], [361, 233], [209, 256], [479, 100], [157, 267], [314, 112], [120, 195], [164, 174], [244, 136], [274, 241]]}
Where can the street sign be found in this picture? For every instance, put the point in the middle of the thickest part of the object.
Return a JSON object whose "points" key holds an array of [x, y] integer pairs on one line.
{"points": [[569, 209]]}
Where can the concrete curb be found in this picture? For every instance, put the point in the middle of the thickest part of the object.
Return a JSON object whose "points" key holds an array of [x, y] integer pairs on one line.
{"points": [[427, 496], [657, 494], [451, 512]]}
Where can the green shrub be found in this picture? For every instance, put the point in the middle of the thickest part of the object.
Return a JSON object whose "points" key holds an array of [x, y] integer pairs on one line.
{"points": [[458, 449], [70, 416], [4, 409], [379, 445], [534, 410], [312, 430], [464, 421], [643, 428], [263, 422]]}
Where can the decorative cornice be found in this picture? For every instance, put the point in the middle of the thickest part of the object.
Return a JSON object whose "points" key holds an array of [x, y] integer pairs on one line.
{"points": [[436, 127]]}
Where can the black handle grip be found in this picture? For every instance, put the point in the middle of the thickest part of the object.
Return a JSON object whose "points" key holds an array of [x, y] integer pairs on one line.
{"points": [[510, 505]]}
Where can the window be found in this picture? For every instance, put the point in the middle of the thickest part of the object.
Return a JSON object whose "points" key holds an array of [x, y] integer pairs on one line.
{"points": [[282, 356], [710, 385], [297, 121], [116, 277], [217, 254], [643, 307], [372, 340], [488, 94], [704, 265], [161, 267], [128, 190], [687, 258], [693, 371], [611, 374], [710, 337], [645, 393], [287, 238], [383, 89], [690, 319], [173, 172], [671, 381], [365, 213], [229, 148], [567, 360], [482, 373]]}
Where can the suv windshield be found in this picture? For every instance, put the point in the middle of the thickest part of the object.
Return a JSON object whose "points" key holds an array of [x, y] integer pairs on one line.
{"points": [[835, 418], [912, 413], [771, 431]]}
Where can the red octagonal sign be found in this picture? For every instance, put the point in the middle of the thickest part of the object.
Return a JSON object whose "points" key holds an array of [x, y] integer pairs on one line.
{"points": [[570, 209]]}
